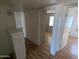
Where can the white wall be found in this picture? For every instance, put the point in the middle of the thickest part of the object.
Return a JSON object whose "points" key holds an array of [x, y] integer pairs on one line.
{"points": [[58, 28], [43, 25], [6, 22], [36, 25], [74, 27], [32, 25]]}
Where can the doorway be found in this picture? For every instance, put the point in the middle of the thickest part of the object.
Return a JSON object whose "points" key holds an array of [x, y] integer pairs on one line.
{"points": [[71, 26], [70, 36], [49, 30], [20, 22]]}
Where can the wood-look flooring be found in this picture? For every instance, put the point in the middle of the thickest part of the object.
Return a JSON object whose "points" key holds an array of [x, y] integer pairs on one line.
{"points": [[42, 52]]}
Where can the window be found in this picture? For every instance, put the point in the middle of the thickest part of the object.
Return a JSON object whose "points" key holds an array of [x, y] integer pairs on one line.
{"points": [[51, 20]]}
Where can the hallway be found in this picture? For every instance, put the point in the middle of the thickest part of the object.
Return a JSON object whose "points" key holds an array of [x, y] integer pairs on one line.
{"points": [[42, 52]]}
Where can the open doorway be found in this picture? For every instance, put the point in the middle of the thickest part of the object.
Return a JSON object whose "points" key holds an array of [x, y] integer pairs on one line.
{"points": [[71, 26], [49, 30], [70, 36], [20, 22]]}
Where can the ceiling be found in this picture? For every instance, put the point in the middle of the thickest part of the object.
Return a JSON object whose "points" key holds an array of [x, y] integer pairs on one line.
{"points": [[28, 3], [32, 3]]}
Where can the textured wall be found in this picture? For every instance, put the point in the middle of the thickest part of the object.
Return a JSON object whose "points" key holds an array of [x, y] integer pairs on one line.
{"points": [[6, 22]]}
